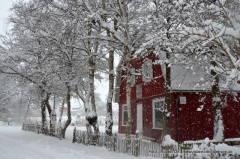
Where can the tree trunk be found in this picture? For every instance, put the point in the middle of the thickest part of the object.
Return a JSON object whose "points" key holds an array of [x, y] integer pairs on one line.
{"points": [[128, 93], [92, 114], [68, 122], [167, 98], [47, 105], [60, 117], [25, 117], [20, 104], [109, 119], [85, 101], [46, 102], [43, 110], [217, 107], [43, 113], [92, 119]]}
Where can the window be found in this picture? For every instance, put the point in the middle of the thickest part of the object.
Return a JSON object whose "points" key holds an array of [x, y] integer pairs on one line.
{"points": [[124, 115], [158, 109], [183, 100], [139, 91], [147, 70]]}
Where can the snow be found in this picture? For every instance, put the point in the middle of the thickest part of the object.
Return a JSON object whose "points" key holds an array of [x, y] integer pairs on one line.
{"points": [[18, 144], [200, 108], [219, 135], [168, 141], [207, 150], [182, 79], [91, 114]]}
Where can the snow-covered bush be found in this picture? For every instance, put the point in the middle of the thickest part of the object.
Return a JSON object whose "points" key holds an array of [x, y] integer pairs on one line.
{"points": [[208, 150], [169, 144]]}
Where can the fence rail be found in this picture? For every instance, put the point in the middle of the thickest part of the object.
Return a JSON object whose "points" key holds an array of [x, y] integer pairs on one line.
{"points": [[135, 145], [142, 146], [46, 130]]}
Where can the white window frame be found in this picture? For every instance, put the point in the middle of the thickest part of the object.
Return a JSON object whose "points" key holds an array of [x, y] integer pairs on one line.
{"points": [[153, 110], [147, 70], [124, 105]]}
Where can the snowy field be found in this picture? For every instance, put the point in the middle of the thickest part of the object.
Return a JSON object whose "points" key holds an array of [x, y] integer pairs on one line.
{"points": [[18, 144]]}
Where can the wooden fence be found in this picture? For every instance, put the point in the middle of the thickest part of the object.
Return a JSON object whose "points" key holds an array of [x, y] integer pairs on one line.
{"points": [[136, 146], [47, 130], [143, 146]]}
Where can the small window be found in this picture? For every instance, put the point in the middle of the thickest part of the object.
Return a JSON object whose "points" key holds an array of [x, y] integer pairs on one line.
{"points": [[147, 70], [183, 100], [139, 91], [158, 109], [124, 115]]}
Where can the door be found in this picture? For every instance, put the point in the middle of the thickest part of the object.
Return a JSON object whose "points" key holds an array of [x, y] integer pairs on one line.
{"points": [[139, 119]]}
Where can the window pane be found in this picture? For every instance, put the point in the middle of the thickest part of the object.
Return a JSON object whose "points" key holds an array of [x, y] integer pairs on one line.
{"points": [[158, 119], [146, 69], [157, 104], [125, 117], [139, 91]]}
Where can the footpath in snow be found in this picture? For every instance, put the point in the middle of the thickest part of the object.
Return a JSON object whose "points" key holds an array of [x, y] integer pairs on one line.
{"points": [[18, 144]]}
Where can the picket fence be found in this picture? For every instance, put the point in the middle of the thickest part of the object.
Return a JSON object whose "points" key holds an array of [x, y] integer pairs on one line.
{"points": [[135, 145], [47, 130], [143, 146]]}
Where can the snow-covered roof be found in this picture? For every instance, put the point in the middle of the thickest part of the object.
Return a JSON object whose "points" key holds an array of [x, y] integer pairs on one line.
{"points": [[187, 79], [196, 79], [182, 79]]}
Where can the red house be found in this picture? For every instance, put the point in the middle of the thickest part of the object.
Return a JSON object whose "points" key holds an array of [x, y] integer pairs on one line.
{"points": [[194, 102]]}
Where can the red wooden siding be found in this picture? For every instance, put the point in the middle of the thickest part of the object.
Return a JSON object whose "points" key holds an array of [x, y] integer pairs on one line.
{"points": [[194, 125], [150, 90], [231, 115], [147, 118], [155, 87]]}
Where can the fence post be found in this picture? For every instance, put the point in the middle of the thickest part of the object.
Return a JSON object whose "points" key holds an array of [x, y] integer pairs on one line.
{"points": [[137, 145], [114, 142], [60, 133], [74, 135]]}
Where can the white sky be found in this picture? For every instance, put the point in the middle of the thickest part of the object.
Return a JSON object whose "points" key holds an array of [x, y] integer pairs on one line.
{"points": [[5, 5]]}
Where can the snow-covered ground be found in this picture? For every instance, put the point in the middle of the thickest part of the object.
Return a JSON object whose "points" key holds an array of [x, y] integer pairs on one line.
{"points": [[18, 144]]}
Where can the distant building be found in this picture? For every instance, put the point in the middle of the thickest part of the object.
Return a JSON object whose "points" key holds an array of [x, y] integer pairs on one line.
{"points": [[64, 109], [74, 111]]}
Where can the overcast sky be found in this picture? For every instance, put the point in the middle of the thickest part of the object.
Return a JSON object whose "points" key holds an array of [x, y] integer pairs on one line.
{"points": [[5, 6]]}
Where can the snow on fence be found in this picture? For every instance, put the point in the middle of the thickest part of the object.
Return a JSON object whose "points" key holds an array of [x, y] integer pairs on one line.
{"points": [[143, 146], [47, 130], [135, 145]]}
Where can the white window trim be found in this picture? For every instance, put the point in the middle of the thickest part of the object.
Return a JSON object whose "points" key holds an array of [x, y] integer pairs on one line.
{"points": [[123, 114], [144, 77], [153, 111]]}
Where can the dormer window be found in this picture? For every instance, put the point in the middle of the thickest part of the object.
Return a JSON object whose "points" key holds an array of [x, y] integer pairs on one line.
{"points": [[147, 71]]}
